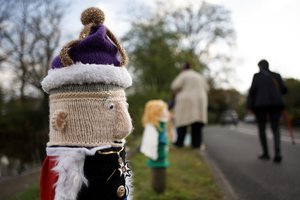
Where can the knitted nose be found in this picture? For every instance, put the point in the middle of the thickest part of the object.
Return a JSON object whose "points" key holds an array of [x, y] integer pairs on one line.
{"points": [[123, 121]]}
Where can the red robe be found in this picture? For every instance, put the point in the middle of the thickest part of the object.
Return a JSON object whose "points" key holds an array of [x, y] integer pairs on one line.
{"points": [[48, 179]]}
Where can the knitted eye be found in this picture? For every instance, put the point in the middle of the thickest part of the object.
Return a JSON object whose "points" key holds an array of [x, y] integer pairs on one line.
{"points": [[110, 106]]}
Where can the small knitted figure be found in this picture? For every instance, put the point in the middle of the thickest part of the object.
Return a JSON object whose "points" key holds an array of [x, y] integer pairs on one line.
{"points": [[89, 117], [155, 141]]}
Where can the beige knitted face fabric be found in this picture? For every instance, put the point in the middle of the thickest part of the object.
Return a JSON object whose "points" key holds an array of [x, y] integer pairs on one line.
{"points": [[89, 118]]}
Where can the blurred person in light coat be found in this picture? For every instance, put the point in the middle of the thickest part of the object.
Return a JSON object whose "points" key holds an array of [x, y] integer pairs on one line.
{"points": [[190, 109]]}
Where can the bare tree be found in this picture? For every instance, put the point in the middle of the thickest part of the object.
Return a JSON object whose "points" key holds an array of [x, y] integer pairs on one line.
{"points": [[5, 7], [201, 27], [31, 39], [205, 33]]}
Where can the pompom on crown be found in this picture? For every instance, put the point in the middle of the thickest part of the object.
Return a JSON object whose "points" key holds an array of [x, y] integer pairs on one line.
{"points": [[91, 18], [92, 15]]}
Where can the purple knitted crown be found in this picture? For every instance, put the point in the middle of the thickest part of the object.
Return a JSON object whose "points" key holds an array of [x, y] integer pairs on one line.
{"points": [[96, 48], [91, 59]]}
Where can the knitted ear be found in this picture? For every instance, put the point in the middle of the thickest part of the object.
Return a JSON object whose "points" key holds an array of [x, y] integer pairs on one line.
{"points": [[59, 120]]}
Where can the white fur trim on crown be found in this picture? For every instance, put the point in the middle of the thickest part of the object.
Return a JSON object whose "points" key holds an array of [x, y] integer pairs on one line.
{"points": [[80, 73]]}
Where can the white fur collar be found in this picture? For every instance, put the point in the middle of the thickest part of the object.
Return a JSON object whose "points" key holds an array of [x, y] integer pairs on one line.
{"points": [[80, 73], [69, 167]]}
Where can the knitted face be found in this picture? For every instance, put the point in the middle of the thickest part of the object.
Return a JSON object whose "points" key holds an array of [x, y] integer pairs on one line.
{"points": [[89, 118]]}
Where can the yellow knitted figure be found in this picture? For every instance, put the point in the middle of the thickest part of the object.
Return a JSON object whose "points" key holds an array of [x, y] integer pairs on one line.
{"points": [[155, 141]]}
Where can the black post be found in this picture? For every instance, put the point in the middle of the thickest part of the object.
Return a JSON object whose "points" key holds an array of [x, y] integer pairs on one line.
{"points": [[159, 179]]}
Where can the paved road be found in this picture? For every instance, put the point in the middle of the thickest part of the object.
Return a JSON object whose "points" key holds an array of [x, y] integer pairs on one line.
{"points": [[234, 151]]}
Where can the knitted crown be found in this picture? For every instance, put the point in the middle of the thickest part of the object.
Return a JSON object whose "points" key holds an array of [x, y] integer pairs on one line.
{"points": [[93, 58]]}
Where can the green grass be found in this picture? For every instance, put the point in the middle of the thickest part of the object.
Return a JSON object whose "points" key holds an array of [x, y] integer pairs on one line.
{"points": [[32, 193], [188, 178]]}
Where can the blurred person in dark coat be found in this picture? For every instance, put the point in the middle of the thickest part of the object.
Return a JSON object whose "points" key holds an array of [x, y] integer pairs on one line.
{"points": [[266, 102]]}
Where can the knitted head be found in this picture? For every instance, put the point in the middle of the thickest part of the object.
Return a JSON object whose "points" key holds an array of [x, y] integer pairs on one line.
{"points": [[86, 85], [154, 112]]}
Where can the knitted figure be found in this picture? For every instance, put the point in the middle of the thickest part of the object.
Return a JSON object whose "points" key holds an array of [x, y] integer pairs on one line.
{"points": [[155, 141], [89, 117]]}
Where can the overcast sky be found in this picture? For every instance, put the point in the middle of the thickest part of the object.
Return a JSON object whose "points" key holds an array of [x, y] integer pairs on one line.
{"points": [[264, 28]]}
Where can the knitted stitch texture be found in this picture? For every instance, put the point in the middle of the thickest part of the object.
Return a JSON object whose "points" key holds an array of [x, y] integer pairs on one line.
{"points": [[86, 85], [95, 48], [89, 118]]}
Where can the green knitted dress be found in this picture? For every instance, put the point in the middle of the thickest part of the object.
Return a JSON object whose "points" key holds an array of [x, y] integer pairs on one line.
{"points": [[163, 142]]}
